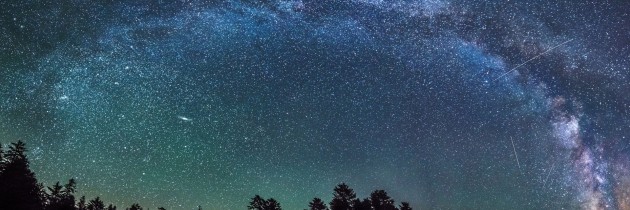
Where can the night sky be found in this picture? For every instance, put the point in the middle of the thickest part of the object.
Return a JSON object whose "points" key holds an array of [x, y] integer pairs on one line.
{"points": [[446, 104]]}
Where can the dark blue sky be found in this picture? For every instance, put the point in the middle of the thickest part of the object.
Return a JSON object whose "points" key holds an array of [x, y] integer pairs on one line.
{"points": [[445, 104]]}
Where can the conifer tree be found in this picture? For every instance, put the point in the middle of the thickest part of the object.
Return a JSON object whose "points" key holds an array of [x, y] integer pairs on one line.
{"points": [[257, 203], [81, 205], [1, 159], [317, 204], [68, 199], [96, 204], [405, 206], [135, 206], [111, 207], [381, 201], [272, 204], [18, 185], [70, 187], [61, 198], [342, 197], [362, 205], [54, 196]]}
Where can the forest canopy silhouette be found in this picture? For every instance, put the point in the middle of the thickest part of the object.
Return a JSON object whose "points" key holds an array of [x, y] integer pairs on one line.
{"points": [[20, 190]]}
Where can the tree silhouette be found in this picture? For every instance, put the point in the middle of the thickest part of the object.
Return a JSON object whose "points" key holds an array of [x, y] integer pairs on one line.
{"points": [[259, 203], [70, 187], [362, 205], [61, 198], [317, 204], [96, 204], [135, 206], [1, 159], [405, 206], [19, 190], [18, 186], [272, 204], [54, 197], [342, 197], [81, 205], [381, 201]]}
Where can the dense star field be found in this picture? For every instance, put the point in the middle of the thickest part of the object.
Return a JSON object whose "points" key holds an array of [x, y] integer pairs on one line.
{"points": [[447, 104]]}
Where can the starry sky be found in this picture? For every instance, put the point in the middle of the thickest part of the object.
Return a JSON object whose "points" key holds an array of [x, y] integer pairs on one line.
{"points": [[446, 104]]}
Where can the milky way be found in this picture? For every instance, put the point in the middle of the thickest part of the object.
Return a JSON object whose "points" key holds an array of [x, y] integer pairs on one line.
{"points": [[188, 103]]}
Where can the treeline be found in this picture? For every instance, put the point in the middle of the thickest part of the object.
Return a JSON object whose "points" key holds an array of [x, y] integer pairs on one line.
{"points": [[344, 198], [20, 190]]}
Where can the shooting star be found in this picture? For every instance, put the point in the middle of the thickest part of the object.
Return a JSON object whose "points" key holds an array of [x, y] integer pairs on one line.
{"points": [[549, 173], [514, 148], [184, 118], [531, 59]]}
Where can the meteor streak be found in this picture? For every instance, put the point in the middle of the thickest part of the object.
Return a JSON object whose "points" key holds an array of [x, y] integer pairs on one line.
{"points": [[531, 59]]}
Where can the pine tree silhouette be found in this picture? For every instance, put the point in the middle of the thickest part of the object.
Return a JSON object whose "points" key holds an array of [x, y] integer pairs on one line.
{"points": [[272, 204], [405, 206], [19, 189], [70, 187], [61, 198], [96, 204], [67, 198], [81, 205], [317, 204], [54, 197], [342, 197], [362, 205], [259, 203], [1, 159], [111, 207], [381, 201], [135, 206]]}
